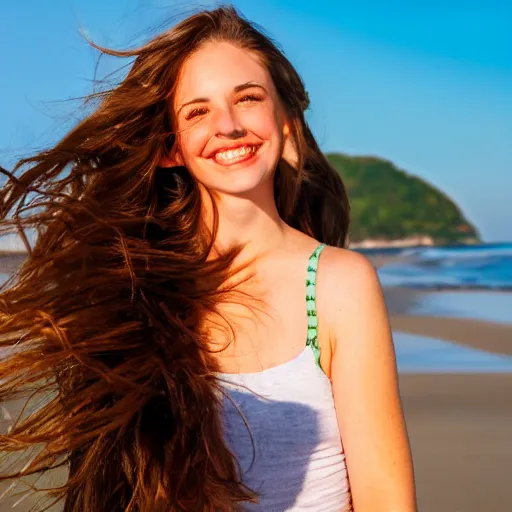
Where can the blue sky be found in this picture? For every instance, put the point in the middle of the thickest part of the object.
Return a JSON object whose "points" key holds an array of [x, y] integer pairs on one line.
{"points": [[427, 85]]}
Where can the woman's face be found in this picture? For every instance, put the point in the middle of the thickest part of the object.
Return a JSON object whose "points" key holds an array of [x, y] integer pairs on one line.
{"points": [[229, 119]]}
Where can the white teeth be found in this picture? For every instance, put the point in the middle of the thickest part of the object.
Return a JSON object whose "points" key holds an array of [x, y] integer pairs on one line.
{"points": [[233, 154]]}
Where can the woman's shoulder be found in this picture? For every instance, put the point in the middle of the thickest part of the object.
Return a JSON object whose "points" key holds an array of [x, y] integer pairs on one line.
{"points": [[347, 269], [339, 269], [349, 286]]}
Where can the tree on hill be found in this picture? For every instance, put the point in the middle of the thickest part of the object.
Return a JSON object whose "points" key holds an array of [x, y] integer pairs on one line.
{"points": [[388, 204]]}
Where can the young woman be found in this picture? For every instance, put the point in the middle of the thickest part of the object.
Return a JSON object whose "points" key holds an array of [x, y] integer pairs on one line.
{"points": [[204, 340]]}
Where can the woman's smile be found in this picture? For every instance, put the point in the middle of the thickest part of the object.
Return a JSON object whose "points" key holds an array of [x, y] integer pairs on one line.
{"points": [[236, 155]]}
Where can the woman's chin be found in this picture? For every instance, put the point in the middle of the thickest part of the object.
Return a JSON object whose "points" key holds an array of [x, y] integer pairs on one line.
{"points": [[244, 185]]}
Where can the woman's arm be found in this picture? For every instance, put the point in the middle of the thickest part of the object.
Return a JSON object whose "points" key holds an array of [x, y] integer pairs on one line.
{"points": [[365, 387]]}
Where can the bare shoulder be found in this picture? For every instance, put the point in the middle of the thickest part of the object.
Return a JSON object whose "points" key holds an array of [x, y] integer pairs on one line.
{"points": [[349, 280], [347, 264], [351, 299]]}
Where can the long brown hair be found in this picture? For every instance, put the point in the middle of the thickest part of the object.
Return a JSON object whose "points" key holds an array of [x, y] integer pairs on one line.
{"points": [[104, 317]]}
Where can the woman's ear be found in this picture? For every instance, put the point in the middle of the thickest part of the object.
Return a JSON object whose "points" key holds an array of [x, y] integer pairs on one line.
{"points": [[290, 148], [172, 158]]}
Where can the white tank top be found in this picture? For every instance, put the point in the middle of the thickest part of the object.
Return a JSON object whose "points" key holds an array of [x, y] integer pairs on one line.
{"points": [[281, 426]]}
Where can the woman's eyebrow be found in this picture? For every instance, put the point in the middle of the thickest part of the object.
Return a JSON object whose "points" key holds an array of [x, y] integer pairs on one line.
{"points": [[237, 88], [248, 85]]}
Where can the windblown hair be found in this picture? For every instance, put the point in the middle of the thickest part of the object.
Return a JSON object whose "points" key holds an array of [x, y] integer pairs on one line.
{"points": [[104, 318]]}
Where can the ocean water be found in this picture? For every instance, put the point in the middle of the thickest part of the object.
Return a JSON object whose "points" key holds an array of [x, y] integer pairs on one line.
{"points": [[486, 266], [420, 354], [487, 305]]}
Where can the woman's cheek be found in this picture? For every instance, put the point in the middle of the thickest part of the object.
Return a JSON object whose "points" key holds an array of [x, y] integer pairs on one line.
{"points": [[260, 120], [193, 141]]}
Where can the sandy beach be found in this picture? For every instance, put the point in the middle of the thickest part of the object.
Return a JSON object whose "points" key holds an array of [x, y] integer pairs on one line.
{"points": [[460, 428], [460, 424]]}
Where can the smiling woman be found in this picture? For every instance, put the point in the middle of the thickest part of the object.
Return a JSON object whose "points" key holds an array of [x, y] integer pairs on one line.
{"points": [[203, 340], [241, 106]]}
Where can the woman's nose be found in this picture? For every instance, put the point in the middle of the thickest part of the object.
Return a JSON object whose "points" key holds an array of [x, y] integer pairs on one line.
{"points": [[227, 124]]}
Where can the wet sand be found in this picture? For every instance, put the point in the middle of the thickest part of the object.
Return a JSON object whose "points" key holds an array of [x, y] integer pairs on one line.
{"points": [[473, 332], [486, 336]]}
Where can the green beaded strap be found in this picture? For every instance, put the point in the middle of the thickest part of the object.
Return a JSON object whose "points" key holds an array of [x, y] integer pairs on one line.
{"points": [[312, 339]]}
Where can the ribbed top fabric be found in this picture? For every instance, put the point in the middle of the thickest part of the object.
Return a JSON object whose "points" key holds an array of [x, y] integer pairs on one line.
{"points": [[281, 425]]}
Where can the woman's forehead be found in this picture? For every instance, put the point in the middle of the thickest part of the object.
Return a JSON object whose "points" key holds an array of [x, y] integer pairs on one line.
{"points": [[218, 67]]}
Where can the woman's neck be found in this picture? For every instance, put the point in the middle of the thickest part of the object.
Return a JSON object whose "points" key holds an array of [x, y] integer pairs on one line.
{"points": [[251, 221]]}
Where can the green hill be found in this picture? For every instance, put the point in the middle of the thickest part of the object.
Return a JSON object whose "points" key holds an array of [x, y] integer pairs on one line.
{"points": [[389, 204]]}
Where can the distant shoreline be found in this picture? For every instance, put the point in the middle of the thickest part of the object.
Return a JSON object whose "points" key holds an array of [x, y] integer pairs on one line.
{"points": [[411, 242], [378, 243]]}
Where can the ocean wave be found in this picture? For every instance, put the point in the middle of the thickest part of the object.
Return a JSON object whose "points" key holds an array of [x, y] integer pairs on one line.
{"points": [[487, 266]]}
